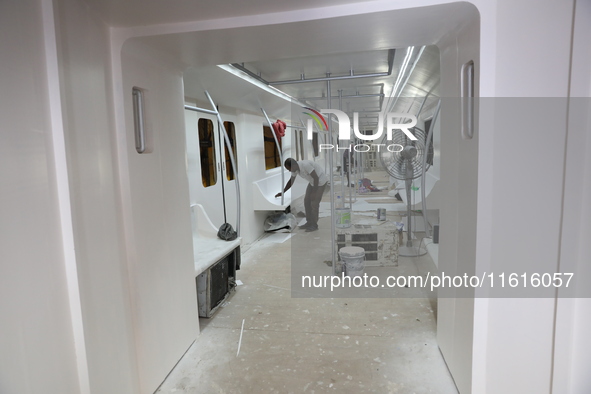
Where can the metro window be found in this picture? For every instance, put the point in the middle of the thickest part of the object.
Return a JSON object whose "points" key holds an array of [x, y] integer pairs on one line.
{"points": [[272, 155], [231, 130], [207, 152], [302, 151], [315, 143]]}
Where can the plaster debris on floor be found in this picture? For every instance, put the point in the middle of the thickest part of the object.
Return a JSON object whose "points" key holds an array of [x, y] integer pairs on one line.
{"points": [[272, 338]]}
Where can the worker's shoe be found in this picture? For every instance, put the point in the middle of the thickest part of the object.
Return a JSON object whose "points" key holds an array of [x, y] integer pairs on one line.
{"points": [[304, 226], [309, 229]]}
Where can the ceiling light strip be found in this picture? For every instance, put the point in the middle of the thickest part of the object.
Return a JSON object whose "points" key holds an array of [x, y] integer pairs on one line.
{"points": [[323, 79], [408, 77], [351, 75], [246, 76], [347, 96], [399, 77]]}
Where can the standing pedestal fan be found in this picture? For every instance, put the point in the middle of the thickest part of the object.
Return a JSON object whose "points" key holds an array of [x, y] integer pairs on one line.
{"points": [[406, 165]]}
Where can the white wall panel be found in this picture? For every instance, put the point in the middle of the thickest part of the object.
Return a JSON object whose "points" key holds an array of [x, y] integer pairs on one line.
{"points": [[157, 219], [251, 163], [36, 338], [521, 331], [459, 191], [83, 48], [572, 347]]}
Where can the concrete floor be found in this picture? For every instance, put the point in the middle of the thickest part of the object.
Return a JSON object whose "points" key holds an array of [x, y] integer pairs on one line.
{"points": [[307, 341], [273, 336]]}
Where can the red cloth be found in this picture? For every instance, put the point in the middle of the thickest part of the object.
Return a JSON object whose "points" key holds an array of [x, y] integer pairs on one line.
{"points": [[366, 183], [279, 128]]}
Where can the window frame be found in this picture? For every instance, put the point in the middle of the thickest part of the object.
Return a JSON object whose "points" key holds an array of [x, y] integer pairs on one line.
{"points": [[231, 130], [272, 160], [208, 158]]}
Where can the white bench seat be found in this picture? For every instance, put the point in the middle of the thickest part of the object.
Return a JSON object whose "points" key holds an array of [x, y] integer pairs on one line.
{"points": [[208, 249], [264, 191]]}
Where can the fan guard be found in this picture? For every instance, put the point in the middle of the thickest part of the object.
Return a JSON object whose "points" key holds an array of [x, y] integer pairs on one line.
{"points": [[406, 165], [410, 158]]}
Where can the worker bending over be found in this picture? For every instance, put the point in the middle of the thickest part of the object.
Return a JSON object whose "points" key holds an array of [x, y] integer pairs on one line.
{"points": [[313, 173]]}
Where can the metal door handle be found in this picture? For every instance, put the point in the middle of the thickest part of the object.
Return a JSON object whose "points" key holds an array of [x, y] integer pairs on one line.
{"points": [[467, 100], [138, 120]]}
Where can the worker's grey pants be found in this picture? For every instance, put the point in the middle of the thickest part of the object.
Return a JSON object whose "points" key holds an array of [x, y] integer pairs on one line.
{"points": [[312, 203]]}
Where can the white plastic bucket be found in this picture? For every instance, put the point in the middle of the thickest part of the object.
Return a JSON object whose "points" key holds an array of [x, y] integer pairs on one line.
{"points": [[353, 260], [343, 217], [381, 214]]}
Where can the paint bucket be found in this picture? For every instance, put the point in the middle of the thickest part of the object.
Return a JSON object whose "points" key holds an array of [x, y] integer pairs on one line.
{"points": [[381, 213], [343, 217], [353, 260]]}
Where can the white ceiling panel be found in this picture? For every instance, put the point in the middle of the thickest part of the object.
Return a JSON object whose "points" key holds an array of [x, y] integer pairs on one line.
{"points": [[132, 13], [314, 48], [231, 91]]}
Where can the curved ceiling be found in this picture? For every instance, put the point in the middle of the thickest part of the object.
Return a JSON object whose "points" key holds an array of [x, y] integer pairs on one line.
{"points": [[312, 47], [368, 96], [132, 13]]}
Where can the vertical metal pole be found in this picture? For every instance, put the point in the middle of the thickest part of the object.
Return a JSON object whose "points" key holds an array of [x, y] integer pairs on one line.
{"points": [[330, 158], [349, 180], [349, 164], [362, 165], [280, 156], [408, 184], [342, 194], [424, 163], [234, 167], [353, 177], [325, 141]]}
